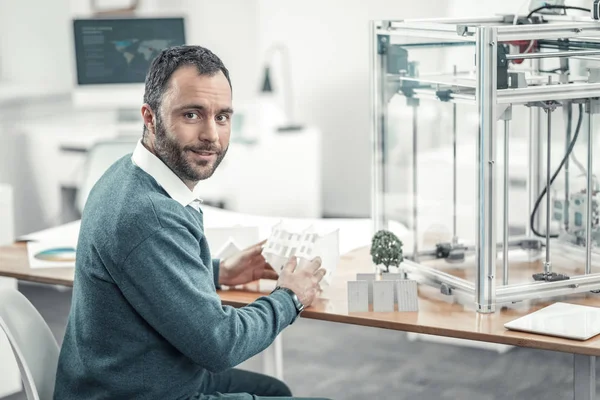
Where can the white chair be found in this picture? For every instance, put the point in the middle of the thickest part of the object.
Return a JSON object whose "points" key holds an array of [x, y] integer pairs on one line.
{"points": [[32, 343], [100, 157], [11, 378]]}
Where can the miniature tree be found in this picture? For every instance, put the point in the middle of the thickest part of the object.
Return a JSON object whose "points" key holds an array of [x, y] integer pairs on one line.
{"points": [[386, 249]]}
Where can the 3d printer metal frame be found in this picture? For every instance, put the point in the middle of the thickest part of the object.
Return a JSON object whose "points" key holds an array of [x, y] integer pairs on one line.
{"points": [[493, 104]]}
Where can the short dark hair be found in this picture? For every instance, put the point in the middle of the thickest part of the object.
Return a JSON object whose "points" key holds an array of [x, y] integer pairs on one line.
{"points": [[172, 58]]}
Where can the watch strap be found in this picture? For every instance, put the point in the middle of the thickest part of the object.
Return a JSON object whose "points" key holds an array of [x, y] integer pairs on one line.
{"points": [[297, 303]]}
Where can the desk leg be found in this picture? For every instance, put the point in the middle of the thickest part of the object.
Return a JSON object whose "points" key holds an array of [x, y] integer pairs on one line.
{"points": [[272, 359], [584, 377]]}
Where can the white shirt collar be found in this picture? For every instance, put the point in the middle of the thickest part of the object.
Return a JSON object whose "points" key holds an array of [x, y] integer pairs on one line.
{"points": [[163, 175]]}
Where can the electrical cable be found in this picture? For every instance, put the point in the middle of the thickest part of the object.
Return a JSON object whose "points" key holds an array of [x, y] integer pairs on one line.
{"points": [[562, 163], [547, 7], [516, 17], [528, 49], [579, 165], [556, 7]]}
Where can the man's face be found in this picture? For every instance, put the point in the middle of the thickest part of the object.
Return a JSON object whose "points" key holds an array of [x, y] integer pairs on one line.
{"points": [[192, 128]]}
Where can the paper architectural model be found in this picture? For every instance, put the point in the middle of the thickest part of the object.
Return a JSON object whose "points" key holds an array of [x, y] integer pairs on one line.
{"points": [[229, 249], [358, 296], [305, 245], [388, 276], [369, 278], [383, 296], [227, 241], [407, 296]]}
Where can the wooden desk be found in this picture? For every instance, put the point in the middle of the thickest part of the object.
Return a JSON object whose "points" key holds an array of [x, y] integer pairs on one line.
{"points": [[14, 263], [435, 317]]}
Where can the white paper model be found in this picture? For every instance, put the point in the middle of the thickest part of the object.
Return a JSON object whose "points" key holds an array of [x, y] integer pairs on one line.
{"points": [[406, 292], [369, 278], [389, 276], [305, 245], [227, 241], [229, 249], [358, 296], [383, 296]]}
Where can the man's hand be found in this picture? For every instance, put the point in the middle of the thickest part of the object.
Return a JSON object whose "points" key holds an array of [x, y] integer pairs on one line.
{"points": [[304, 282], [246, 266]]}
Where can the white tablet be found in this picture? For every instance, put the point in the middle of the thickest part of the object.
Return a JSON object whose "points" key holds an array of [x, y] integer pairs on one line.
{"points": [[563, 320]]}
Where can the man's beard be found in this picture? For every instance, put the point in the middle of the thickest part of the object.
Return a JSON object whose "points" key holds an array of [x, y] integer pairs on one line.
{"points": [[174, 156]]}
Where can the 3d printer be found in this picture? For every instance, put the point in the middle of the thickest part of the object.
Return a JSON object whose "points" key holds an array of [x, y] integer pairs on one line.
{"points": [[512, 73]]}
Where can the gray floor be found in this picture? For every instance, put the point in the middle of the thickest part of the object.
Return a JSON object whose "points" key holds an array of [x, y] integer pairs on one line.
{"points": [[351, 362]]}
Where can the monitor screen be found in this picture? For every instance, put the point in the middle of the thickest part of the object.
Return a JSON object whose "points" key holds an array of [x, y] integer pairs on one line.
{"points": [[116, 51]]}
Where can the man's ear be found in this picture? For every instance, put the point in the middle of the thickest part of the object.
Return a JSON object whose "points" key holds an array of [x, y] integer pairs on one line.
{"points": [[148, 117]]}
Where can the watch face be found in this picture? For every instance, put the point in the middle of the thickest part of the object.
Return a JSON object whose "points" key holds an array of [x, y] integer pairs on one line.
{"points": [[297, 302]]}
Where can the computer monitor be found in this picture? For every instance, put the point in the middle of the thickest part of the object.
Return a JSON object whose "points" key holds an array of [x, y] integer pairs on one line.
{"points": [[112, 57]]}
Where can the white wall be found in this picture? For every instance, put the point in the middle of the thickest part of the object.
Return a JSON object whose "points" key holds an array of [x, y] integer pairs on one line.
{"points": [[474, 8], [328, 45], [34, 50], [470, 8], [230, 29]]}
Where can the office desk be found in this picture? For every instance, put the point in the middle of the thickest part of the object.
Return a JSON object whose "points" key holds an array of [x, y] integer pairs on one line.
{"points": [[14, 263], [435, 316]]}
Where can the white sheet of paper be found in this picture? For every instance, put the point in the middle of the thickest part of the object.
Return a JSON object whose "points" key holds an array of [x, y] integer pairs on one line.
{"points": [[67, 234], [407, 295], [50, 255], [369, 278], [383, 296], [358, 296]]}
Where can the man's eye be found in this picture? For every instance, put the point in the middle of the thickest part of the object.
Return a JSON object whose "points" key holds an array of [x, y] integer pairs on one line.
{"points": [[191, 115], [222, 118]]}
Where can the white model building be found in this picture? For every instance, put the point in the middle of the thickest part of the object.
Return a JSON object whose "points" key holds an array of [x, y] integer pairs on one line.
{"points": [[224, 242], [384, 294], [305, 245]]}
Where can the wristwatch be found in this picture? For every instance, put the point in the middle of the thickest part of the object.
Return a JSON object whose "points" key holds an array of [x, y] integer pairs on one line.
{"points": [[297, 303]]}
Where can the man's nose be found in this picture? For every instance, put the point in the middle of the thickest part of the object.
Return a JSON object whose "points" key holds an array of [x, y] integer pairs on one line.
{"points": [[210, 132]]}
